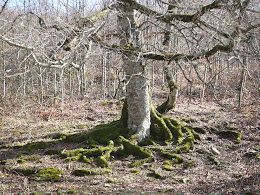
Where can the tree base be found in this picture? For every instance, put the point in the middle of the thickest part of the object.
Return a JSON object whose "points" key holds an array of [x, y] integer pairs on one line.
{"points": [[121, 142]]}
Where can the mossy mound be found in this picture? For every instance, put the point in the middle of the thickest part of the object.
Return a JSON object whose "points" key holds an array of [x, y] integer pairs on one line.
{"points": [[46, 174], [84, 172], [49, 174]]}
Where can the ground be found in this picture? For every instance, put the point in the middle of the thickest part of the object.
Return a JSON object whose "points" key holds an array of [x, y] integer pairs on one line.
{"points": [[234, 170]]}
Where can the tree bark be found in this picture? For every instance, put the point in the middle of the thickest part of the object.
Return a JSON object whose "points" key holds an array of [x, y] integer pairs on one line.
{"points": [[137, 88]]}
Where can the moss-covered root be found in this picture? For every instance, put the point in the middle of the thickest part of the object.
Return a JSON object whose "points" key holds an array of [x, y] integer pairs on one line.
{"points": [[174, 157], [159, 129], [102, 160], [188, 144], [131, 148]]}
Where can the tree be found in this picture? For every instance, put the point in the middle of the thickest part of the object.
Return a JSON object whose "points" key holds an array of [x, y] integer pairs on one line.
{"points": [[143, 118]]}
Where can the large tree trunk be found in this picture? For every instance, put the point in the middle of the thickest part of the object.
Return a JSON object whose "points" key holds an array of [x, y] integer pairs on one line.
{"points": [[137, 89]]}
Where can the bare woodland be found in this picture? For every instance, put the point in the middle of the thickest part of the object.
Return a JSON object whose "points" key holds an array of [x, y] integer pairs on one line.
{"points": [[180, 79]]}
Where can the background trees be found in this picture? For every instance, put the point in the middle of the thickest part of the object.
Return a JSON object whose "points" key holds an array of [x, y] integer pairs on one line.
{"points": [[48, 53]]}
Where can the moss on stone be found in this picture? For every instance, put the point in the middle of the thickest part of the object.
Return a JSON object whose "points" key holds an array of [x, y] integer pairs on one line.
{"points": [[84, 172], [234, 135], [25, 172], [49, 174]]}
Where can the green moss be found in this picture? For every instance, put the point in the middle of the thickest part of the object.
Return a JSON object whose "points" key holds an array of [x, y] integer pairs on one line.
{"points": [[84, 152], [177, 159], [155, 175], [106, 172], [134, 170], [204, 119], [189, 120], [21, 161], [131, 148], [188, 165], [49, 174], [52, 152], [110, 180], [74, 158], [196, 135], [234, 135], [202, 151], [188, 144], [175, 128], [84, 172], [35, 146], [199, 130], [213, 159], [60, 136], [129, 46], [166, 162], [159, 128], [71, 192], [25, 172], [3, 162], [147, 142], [32, 158], [86, 160], [102, 162], [167, 168], [140, 162]]}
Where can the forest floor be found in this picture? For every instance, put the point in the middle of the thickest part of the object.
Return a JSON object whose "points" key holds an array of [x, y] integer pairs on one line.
{"points": [[236, 169]]}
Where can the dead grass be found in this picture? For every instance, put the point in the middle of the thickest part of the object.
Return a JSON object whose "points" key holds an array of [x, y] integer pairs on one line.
{"points": [[235, 172]]}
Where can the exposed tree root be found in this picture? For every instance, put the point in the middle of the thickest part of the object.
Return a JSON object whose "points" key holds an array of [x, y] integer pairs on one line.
{"points": [[121, 142]]}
